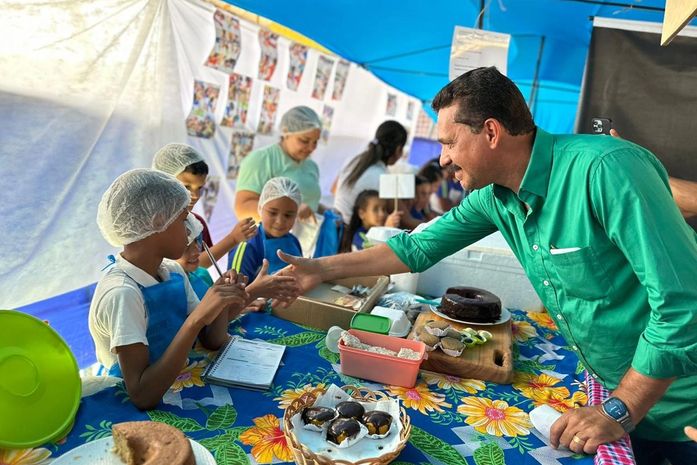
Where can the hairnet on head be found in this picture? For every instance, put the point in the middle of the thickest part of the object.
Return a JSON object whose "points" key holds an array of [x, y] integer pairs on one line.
{"points": [[299, 119], [140, 203], [174, 158], [275, 188], [194, 228]]}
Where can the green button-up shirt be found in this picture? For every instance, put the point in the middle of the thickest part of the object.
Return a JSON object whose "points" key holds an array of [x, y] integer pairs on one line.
{"points": [[609, 254]]}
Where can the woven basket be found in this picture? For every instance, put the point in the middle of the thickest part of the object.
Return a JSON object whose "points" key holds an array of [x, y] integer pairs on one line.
{"points": [[303, 456]]}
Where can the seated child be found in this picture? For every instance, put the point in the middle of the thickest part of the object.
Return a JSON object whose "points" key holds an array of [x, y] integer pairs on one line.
{"points": [[279, 287], [187, 165], [368, 211], [418, 210], [278, 207], [144, 316]]}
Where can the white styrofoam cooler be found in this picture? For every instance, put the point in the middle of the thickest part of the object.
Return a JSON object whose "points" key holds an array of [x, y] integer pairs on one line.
{"points": [[487, 264]]}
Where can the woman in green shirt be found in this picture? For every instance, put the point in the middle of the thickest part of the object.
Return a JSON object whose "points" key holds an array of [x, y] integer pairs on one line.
{"points": [[290, 157]]}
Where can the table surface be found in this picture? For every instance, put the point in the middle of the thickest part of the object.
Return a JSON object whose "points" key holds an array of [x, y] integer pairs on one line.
{"points": [[455, 421]]}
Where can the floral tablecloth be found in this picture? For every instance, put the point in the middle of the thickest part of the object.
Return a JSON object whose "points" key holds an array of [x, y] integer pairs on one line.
{"points": [[455, 421]]}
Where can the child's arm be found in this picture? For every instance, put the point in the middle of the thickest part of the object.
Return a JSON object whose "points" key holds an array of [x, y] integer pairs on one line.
{"points": [[283, 288], [243, 231], [146, 383]]}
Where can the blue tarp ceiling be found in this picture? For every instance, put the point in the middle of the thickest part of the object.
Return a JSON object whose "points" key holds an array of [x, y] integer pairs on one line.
{"points": [[406, 43]]}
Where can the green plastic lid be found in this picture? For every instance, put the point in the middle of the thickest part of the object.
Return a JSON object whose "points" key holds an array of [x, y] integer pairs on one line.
{"points": [[39, 382], [373, 323]]}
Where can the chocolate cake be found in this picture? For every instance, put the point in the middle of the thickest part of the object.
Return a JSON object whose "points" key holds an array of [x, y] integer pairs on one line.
{"points": [[151, 443], [470, 304]]}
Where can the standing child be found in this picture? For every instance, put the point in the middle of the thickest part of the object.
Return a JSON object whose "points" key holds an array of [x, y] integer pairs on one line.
{"points": [[187, 165], [278, 207], [419, 207], [370, 210], [263, 287], [144, 316]]}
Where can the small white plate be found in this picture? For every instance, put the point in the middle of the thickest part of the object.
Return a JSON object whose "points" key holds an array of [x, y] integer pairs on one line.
{"points": [[101, 452], [505, 316]]}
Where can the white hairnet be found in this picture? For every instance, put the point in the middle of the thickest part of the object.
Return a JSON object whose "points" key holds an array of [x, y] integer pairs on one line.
{"points": [[275, 188], [140, 203], [299, 119], [194, 228], [174, 158]]}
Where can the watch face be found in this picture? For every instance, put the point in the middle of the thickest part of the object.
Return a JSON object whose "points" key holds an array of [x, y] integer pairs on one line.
{"points": [[615, 408]]}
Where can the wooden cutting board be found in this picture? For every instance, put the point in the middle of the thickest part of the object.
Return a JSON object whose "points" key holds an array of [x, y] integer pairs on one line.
{"points": [[492, 361]]}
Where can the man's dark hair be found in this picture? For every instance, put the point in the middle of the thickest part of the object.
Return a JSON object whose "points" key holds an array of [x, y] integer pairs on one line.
{"points": [[484, 93], [198, 168]]}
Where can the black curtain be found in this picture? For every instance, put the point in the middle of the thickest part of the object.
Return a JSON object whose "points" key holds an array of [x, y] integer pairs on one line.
{"points": [[649, 92]]}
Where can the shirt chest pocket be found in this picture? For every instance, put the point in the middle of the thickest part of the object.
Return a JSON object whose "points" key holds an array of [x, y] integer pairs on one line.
{"points": [[582, 274]]}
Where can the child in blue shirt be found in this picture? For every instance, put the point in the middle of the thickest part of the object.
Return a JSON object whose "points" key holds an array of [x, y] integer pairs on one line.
{"points": [[368, 211], [278, 207]]}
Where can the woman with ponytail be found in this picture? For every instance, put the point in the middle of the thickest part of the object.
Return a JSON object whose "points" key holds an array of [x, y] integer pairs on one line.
{"points": [[363, 172]]}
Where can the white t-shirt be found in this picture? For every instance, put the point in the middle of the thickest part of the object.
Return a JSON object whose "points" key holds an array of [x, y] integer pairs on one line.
{"points": [[346, 196], [117, 314]]}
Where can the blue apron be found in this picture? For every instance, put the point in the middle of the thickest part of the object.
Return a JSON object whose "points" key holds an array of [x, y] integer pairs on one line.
{"points": [[199, 283], [167, 309], [287, 243]]}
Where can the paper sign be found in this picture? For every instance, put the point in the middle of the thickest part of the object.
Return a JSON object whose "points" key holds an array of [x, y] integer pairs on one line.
{"points": [[473, 48], [397, 186]]}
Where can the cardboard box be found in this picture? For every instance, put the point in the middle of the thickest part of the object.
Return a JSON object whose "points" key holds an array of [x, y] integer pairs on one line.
{"points": [[316, 309]]}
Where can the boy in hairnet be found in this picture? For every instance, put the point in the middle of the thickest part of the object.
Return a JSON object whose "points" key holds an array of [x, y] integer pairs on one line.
{"points": [[281, 288], [188, 166], [278, 208], [144, 316]]}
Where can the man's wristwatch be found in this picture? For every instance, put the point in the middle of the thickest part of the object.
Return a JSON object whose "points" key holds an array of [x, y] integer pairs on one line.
{"points": [[616, 410]]}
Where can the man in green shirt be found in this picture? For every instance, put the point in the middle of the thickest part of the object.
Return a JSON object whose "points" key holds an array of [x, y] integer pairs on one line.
{"points": [[592, 221]]}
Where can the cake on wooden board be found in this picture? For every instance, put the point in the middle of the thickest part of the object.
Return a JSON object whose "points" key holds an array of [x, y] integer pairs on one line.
{"points": [[151, 443], [471, 304]]}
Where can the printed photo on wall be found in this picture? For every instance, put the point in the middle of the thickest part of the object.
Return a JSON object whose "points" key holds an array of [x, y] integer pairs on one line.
{"points": [[211, 198], [340, 77], [324, 71], [391, 109], [410, 110], [327, 115], [240, 146], [226, 49], [269, 54], [298, 57], [269, 105], [238, 94], [201, 119]]}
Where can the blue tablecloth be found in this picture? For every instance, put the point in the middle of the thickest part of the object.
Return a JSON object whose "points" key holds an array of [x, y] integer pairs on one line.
{"points": [[455, 421]]}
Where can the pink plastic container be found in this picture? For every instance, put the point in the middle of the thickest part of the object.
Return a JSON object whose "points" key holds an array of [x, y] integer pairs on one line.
{"points": [[381, 368]]}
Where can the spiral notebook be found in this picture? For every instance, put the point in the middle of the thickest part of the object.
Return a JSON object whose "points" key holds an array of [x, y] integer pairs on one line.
{"points": [[246, 363]]}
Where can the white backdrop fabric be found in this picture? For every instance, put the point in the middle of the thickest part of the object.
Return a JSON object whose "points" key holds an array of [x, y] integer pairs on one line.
{"points": [[89, 90]]}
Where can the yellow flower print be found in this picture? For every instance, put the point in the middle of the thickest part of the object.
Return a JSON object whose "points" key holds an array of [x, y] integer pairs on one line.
{"points": [[39, 456], [543, 319], [420, 398], [470, 386], [267, 440], [522, 331], [528, 384], [559, 402], [289, 395], [190, 376], [495, 417]]}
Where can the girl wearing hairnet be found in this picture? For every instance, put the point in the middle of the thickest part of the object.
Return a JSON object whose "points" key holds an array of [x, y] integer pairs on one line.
{"points": [[144, 316], [278, 208], [300, 131]]}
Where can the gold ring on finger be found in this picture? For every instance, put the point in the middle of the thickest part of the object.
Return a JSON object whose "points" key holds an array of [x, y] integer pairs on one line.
{"points": [[578, 440]]}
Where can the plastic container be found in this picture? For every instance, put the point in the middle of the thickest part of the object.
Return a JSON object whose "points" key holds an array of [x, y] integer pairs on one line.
{"points": [[400, 323], [371, 323], [332, 338], [39, 382], [383, 369]]}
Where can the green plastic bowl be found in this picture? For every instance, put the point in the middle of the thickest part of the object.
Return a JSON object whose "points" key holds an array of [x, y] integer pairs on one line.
{"points": [[40, 384], [372, 323]]}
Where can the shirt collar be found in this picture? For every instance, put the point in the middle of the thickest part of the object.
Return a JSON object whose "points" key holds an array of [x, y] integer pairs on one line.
{"points": [[140, 276], [536, 178]]}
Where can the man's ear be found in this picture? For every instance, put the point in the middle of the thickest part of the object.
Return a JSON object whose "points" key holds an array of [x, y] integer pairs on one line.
{"points": [[493, 130]]}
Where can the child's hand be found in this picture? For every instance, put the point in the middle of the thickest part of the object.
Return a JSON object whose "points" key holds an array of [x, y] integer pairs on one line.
{"points": [[244, 230], [277, 287], [256, 305], [394, 219], [228, 292]]}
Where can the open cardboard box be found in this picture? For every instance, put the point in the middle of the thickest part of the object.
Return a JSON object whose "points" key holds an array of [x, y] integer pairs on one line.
{"points": [[316, 307]]}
